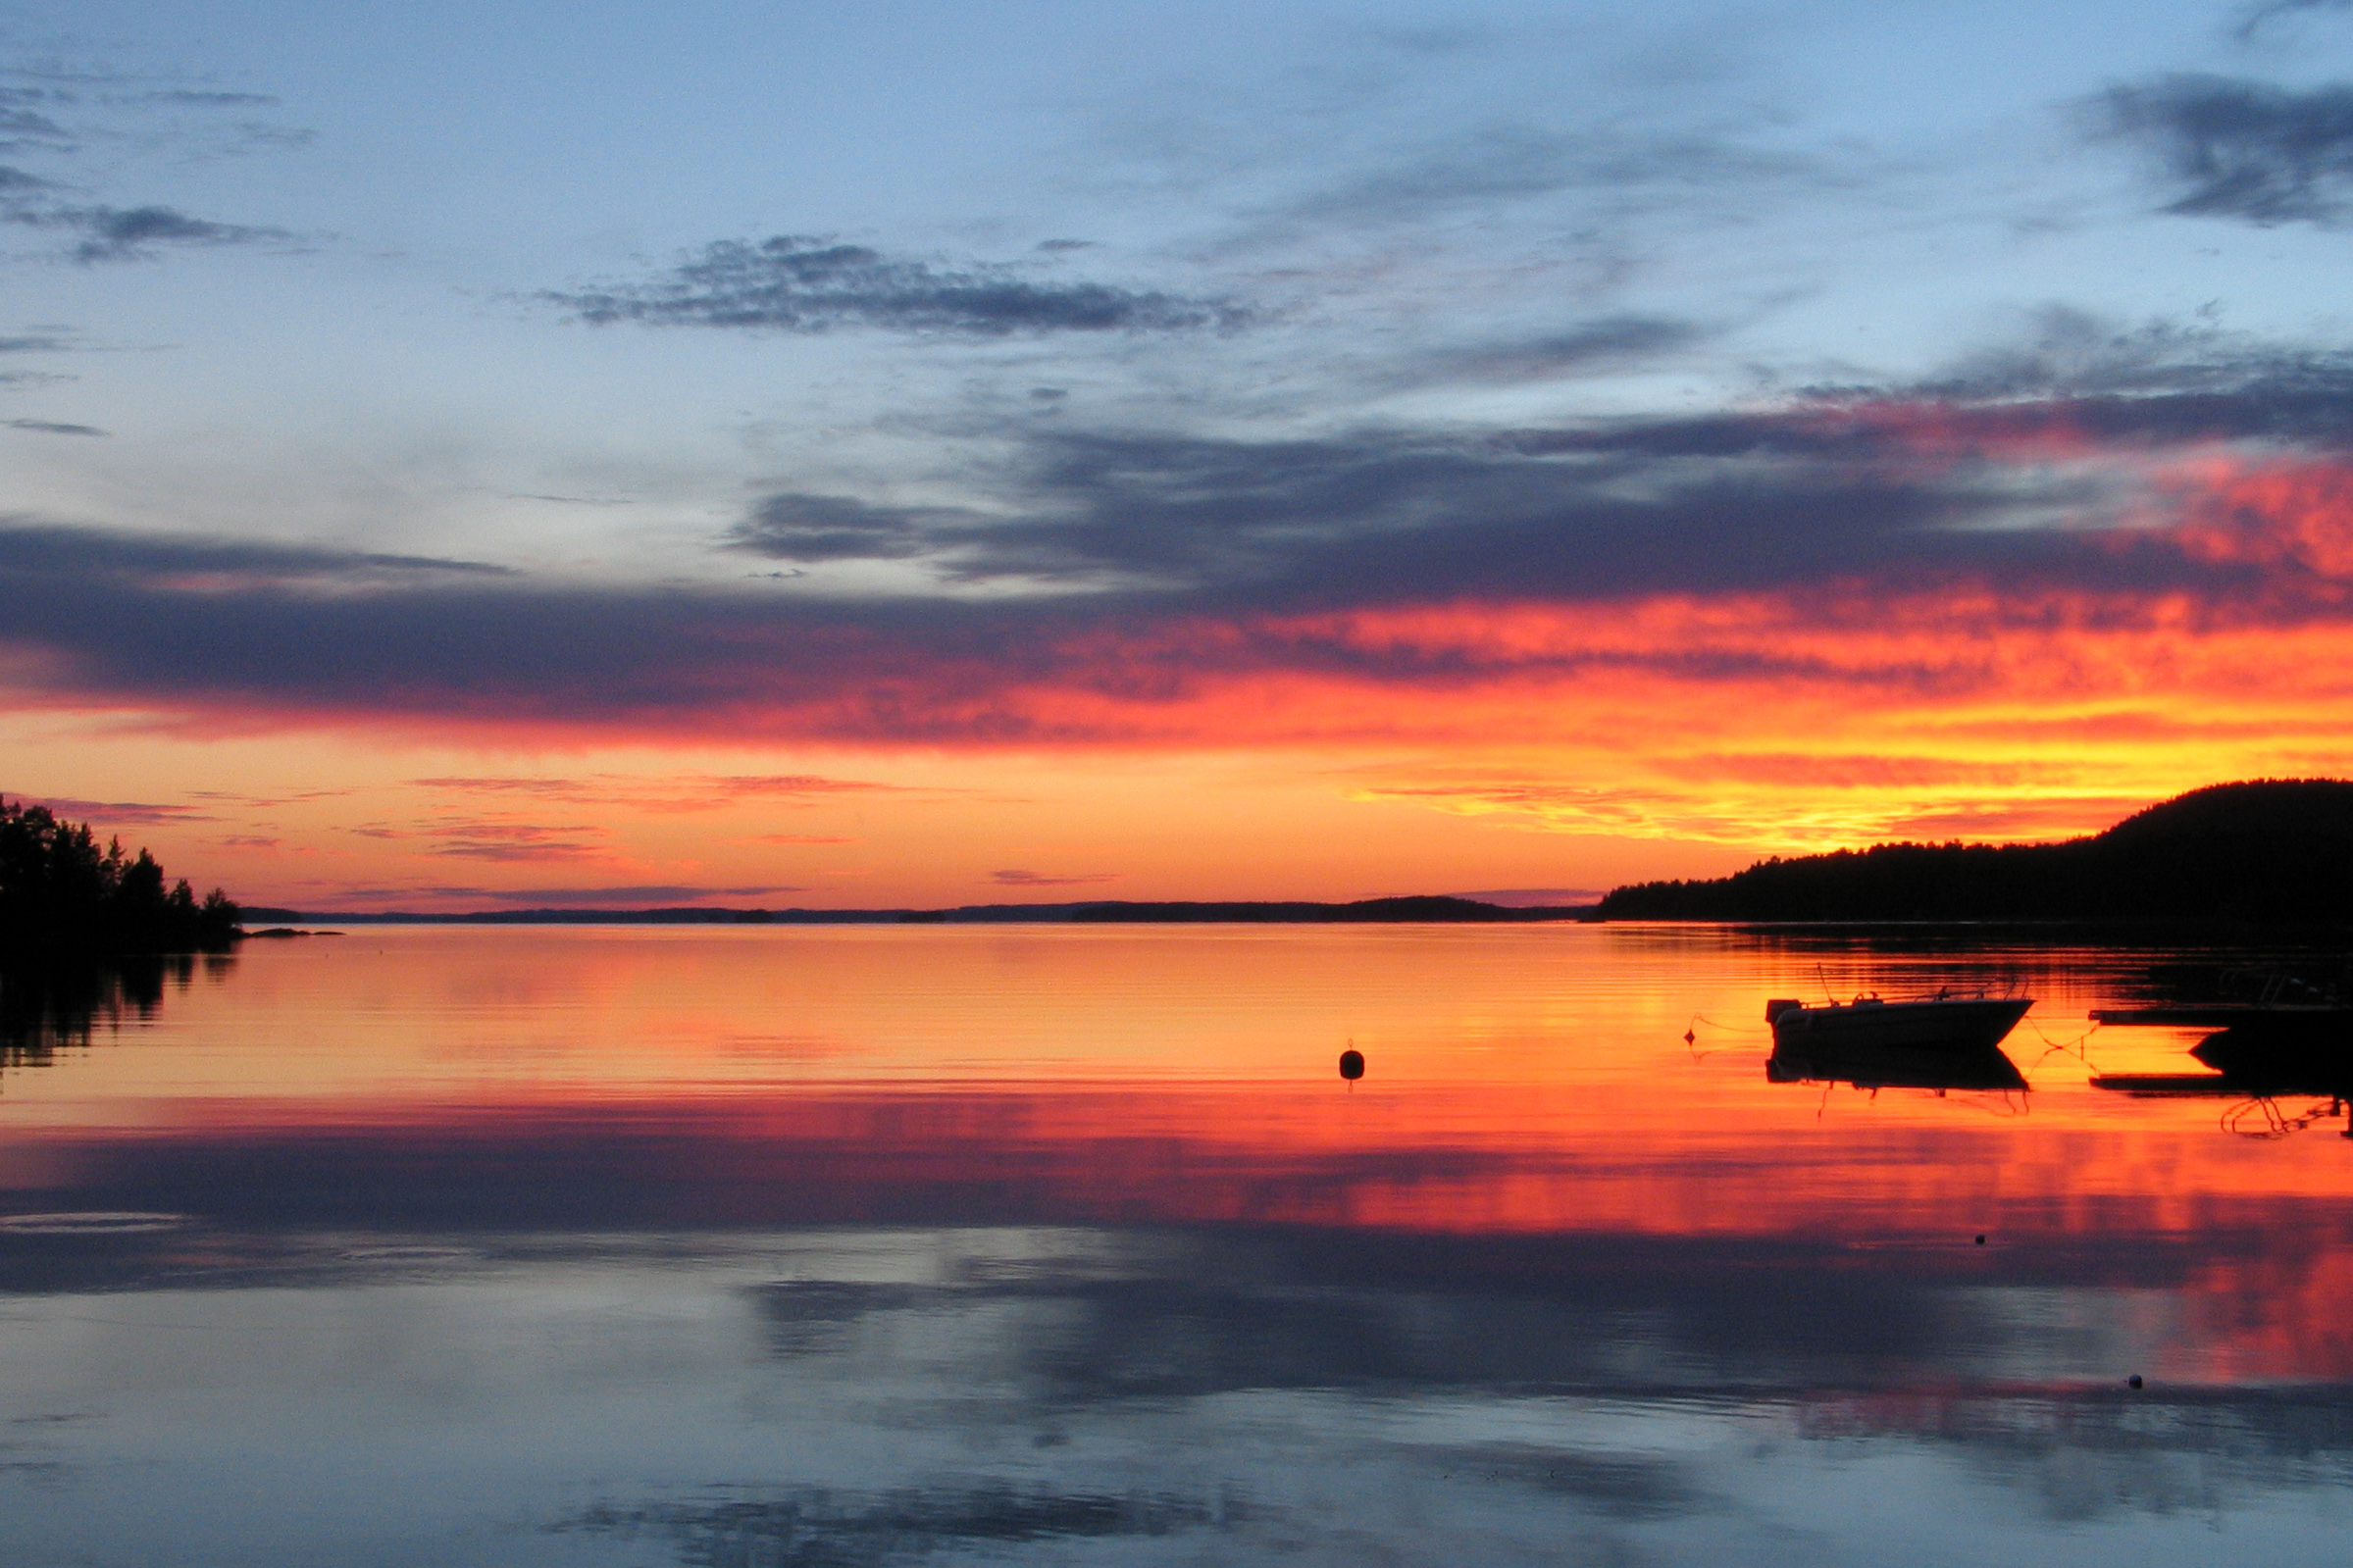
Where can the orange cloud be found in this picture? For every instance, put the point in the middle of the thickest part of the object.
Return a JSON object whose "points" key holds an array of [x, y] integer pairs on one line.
{"points": [[2289, 514], [2208, 634]]}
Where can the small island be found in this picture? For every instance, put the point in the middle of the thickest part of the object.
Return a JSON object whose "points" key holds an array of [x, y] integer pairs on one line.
{"points": [[63, 898], [2268, 850]]}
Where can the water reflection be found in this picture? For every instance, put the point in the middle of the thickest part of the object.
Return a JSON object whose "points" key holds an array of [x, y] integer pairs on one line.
{"points": [[1874, 1067], [2281, 1035], [2273, 1062], [2257, 1071], [904, 1395], [938, 1245], [56, 1005], [816, 1525]]}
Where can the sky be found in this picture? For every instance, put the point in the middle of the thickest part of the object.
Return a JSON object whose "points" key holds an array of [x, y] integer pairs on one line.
{"points": [[474, 457]]}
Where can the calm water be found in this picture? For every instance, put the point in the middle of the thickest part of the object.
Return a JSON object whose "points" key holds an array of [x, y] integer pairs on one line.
{"points": [[928, 1244]]}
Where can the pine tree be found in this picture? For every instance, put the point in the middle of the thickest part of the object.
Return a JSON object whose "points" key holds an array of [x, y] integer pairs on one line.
{"points": [[60, 893]]}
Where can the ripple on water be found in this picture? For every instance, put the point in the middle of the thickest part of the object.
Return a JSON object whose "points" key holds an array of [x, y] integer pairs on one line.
{"points": [[90, 1222], [408, 1255]]}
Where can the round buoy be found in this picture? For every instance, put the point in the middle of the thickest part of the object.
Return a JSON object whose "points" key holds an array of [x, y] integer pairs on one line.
{"points": [[1980, 1241], [1352, 1065], [2132, 1382]]}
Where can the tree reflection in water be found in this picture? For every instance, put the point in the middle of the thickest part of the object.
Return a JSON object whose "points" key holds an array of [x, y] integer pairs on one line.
{"points": [[46, 1006]]}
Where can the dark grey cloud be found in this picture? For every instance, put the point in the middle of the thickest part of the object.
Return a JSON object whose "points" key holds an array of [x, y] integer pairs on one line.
{"points": [[36, 552], [798, 283], [117, 234], [52, 428], [24, 129], [59, 112], [73, 108], [1837, 482], [2073, 373], [1259, 520], [930, 670], [1144, 538], [133, 233], [261, 624], [795, 526], [2232, 148], [2071, 354], [2255, 18], [1609, 342]]}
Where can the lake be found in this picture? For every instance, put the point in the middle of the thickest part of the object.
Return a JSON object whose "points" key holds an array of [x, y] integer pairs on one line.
{"points": [[870, 1245]]}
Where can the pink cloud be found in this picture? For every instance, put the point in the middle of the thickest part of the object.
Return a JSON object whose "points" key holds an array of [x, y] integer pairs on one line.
{"points": [[103, 814]]}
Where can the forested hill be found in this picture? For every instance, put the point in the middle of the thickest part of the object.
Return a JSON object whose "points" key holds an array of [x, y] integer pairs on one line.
{"points": [[62, 895], [2272, 849]]}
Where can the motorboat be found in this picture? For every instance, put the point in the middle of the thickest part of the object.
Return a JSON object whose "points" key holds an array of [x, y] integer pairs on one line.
{"points": [[2270, 1022], [2274, 1011], [1970, 1022]]}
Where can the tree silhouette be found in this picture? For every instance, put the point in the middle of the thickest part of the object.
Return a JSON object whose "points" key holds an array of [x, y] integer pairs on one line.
{"points": [[60, 895], [2268, 849]]}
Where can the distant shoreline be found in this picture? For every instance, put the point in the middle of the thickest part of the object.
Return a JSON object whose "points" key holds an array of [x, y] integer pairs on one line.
{"points": [[2262, 852], [1416, 910], [2079, 928]]}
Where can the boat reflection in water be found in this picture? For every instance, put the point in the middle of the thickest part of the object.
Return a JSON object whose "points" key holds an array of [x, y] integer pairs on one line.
{"points": [[1866, 1066], [2287, 1040], [1939, 1041], [2296, 1063], [2259, 1067]]}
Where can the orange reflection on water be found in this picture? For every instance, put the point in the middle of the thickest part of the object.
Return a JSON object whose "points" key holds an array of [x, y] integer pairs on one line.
{"points": [[1528, 1081]]}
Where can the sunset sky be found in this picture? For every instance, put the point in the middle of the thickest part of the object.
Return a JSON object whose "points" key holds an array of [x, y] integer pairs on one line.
{"points": [[466, 457]]}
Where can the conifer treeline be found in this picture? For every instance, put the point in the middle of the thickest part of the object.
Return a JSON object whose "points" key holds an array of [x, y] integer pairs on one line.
{"points": [[60, 895], [2268, 849]]}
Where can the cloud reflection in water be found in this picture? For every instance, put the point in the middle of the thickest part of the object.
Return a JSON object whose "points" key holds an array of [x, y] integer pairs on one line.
{"points": [[462, 1286]]}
